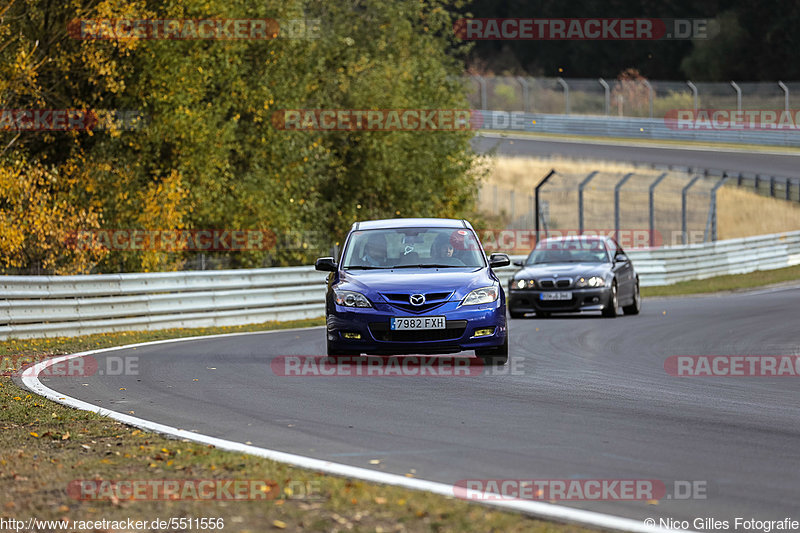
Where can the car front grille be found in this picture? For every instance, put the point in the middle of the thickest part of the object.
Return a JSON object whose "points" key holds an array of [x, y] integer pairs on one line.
{"points": [[453, 330], [553, 283], [401, 301]]}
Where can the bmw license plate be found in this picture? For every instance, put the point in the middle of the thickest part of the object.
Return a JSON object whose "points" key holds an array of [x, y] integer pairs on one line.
{"points": [[423, 322], [561, 295]]}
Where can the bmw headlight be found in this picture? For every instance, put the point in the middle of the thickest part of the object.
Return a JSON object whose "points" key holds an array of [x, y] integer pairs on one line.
{"points": [[351, 299], [523, 284], [484, 295], [593, 281]]}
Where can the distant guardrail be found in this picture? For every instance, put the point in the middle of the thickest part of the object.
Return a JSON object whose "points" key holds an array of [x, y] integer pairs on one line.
{"points": [[50, 306], [627, 127]]}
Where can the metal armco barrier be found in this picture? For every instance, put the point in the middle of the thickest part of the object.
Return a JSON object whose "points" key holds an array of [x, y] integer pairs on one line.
{"points": [[51, 306], [629, 127]]}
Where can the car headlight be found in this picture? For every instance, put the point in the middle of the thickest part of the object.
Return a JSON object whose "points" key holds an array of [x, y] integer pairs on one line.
{"points": [[484, 295], [351, 299], [593, 281], [524, 284]]}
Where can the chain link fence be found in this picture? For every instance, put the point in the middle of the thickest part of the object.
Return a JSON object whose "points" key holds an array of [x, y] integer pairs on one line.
{"points": [[624, 98]]}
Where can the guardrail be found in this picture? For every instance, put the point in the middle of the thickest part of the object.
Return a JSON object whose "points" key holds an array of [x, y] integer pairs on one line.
{"points": [[627, 127], [49, 306]]}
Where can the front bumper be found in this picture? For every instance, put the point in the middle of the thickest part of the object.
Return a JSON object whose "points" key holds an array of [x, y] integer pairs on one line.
{"points": [[373, 326], [530, 300]]}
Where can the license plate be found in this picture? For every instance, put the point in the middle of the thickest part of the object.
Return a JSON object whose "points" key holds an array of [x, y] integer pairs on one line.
{"points": [[423, 322], [562, 295]]}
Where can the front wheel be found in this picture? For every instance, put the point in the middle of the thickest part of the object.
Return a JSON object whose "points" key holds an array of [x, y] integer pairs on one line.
{"points": [[516, 314], [494, 356], [611, 309], [636, 306]]}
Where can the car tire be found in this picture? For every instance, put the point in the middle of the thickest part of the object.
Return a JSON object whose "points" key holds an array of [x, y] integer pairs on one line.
{"points": [[494, 356], [542, 314], [636, 306], [516, 314], [334, 353], [611, 310]]}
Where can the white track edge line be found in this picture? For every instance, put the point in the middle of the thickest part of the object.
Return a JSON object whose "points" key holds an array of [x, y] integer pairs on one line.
{"points": [[537, 509]]}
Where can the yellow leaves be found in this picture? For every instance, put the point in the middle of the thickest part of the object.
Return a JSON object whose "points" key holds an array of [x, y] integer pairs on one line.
{"points": [[279, 524], [34, 434]]}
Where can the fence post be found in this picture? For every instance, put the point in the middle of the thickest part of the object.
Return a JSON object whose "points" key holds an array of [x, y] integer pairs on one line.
{"points": [[652, 193], [787, 191], [785, 95], [693, 87], [738, 95], [649, 95], [536, 195], [484, 95], [525, 93], [756, 183], [580, 199], [564, 85], [772, 186], [712, 209], [684, 192], [607, 91], [617, 187]]}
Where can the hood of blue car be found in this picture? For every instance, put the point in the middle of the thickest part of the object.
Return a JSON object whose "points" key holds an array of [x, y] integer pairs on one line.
{"points": [[460, 281]]}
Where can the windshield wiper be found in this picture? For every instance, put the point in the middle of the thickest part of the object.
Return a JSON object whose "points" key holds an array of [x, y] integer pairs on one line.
{"points": [[427, 265], [364, 267]]}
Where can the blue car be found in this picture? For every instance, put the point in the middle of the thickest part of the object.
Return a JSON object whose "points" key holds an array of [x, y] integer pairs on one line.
{"points": [[415, 286]]}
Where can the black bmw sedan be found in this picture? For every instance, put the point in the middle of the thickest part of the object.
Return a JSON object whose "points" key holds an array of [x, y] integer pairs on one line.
{"points": [[575, 274]]}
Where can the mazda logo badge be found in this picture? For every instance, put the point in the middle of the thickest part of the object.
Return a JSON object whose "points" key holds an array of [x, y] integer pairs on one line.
{"points": [[417, 299]]}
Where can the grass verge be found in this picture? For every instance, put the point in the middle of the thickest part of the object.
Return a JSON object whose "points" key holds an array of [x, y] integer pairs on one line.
{"points": [[730, 282], [44, 447]]}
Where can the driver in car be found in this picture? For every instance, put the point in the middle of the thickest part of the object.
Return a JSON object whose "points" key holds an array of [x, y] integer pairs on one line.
{"points": [[374, 251]]}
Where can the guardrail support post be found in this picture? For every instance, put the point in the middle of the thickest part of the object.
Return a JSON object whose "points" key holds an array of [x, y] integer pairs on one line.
{"points": [[712, 209], [617, 187], [652, 193], [788, 191], [607, 91], [756, 183], [536, 200], [684, 193], [580, 199], [564, 85], [772, 186]]}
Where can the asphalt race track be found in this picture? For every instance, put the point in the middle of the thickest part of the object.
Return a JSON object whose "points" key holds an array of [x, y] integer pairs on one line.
{"points": [[764, 163], [589, 398]]}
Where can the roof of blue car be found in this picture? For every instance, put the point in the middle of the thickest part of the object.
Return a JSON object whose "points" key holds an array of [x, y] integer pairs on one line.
{"points": [[390, 223]]}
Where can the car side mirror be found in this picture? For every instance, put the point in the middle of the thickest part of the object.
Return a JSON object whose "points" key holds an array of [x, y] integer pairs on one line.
{"points": [[499, 260], [326, 264], [620, 258], [518, 263]]}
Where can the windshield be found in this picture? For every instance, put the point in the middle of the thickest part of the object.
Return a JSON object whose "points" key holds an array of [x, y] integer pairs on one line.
{"points": [[413, 248], [569, 251]]}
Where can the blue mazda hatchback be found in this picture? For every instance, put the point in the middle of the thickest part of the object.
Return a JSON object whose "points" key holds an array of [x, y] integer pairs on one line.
{"points": [[415, 286]]}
